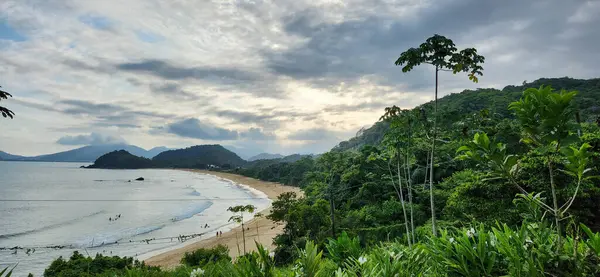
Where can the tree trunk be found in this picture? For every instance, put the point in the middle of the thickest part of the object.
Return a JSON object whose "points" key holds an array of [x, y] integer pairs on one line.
{"points": [[332, 209], [409, 180], [408, 235], [433, 227], [257, 235], [554, 201], [243, 235]]}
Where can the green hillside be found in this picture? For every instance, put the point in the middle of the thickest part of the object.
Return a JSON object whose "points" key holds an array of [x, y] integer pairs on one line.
{"points": [[121, 159], [457, 106], [199, 156]]}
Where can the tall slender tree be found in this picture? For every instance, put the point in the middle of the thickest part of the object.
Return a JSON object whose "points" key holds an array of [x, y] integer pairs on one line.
{"points": [[5, 111], [238, 217], [441, 53]]}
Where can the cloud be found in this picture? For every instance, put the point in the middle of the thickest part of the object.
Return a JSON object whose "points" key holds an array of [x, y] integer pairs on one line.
{"points": [[194, 128], [369, 106], [257, 134], [108, 114], [174, 90], [314, 134], [91, 139], [278, 67], [96, 21], [170, 71], [148, 36]]}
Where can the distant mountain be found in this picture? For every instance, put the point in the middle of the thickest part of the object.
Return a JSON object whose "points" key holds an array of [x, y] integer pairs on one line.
{"points": [[244, 152], [155, 151], [199, 156], [10, 157], [265, 156], [87, 153], [293, 158], [121, 159]]}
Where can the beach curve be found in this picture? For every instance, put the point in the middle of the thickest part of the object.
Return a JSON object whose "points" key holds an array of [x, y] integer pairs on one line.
{"points": [[261, 229]]}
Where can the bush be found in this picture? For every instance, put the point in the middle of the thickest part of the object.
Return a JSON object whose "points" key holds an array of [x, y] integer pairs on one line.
{"points": [[203, 256], [79, 265]]}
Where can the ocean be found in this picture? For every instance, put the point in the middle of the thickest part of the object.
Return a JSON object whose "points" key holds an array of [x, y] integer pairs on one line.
{"points": [[49, 210]]}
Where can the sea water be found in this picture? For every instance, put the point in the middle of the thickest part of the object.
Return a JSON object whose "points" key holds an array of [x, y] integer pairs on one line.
{"points": [[107, 211]]}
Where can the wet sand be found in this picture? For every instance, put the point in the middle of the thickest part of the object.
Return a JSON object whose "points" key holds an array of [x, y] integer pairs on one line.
{"points": [[261, 229]]}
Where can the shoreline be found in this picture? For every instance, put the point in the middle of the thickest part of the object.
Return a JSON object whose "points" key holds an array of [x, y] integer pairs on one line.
{"points": [[258, 229]]}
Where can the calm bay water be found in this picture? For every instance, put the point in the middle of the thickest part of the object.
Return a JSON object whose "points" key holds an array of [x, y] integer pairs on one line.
{"points": [[44, 204]]}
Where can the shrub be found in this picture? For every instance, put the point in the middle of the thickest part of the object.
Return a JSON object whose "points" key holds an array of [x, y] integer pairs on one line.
{"points": [[203, 256]]}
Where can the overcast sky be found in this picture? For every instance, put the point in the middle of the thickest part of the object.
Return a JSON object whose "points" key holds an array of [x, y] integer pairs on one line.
{"points": [[279, 76]]}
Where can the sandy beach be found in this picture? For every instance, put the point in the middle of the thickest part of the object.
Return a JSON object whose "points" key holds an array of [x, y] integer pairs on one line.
{"points": [[261, 229]]}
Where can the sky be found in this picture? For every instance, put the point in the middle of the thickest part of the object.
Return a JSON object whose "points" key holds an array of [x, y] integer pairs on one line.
{"points": [[266, 76]]}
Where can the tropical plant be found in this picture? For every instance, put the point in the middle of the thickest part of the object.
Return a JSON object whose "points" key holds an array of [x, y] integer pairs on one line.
{"points": [[343, 248], [201, 257], [5, 272], [440, 52], [239, 218], [5, 111]]}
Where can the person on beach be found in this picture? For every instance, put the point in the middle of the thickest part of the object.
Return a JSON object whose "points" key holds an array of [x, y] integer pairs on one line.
{"points": [[217, 234], [221, 233]]}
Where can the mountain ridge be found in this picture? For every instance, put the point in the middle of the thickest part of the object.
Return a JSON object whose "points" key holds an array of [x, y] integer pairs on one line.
{"points": [[88, 153], [265, 156]]}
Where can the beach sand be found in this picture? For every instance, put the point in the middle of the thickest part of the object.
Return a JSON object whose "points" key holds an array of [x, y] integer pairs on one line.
{"points": [[265, 233]]}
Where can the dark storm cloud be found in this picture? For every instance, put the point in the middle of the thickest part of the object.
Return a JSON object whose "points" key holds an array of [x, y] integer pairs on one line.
{"points": [[194, 128], [91, 139], [369, 45], [170, 71]]}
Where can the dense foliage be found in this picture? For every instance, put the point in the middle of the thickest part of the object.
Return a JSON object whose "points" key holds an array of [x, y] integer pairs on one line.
{"points": [[81, 266], [530, 249], [289, 170], [199, 156], [202, 257], [361, 192], [455, 107]]}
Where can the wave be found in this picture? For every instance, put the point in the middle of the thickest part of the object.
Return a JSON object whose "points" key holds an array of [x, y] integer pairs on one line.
{"points": [[49, 227], [100, 240], [191, 212], [124, 235]]}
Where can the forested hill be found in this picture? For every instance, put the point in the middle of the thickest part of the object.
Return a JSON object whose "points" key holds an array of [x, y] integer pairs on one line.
{"points": [[199, 156], [457, 106], [121, 159]]}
